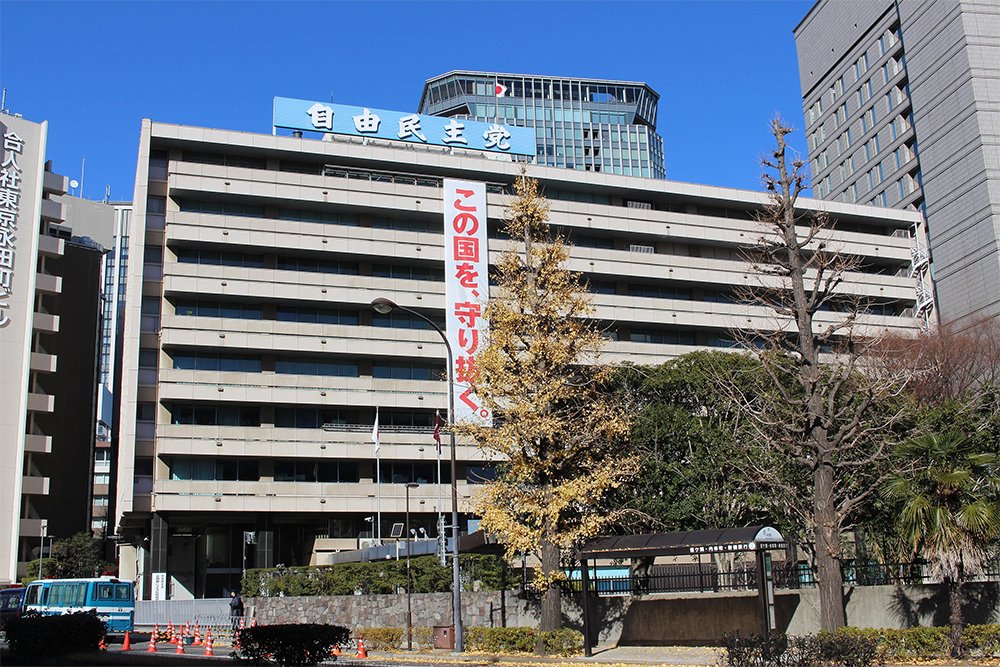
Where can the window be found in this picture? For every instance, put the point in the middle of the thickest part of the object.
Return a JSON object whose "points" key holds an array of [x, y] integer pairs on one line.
{"points": [[407, 371], [199, 308], [662, 337], [292, 417], [408, 272], [337, 471], [315, 366], [216, 361], [400, 320], [315, 315], [199, 414], [145, 412], [102, 479]]}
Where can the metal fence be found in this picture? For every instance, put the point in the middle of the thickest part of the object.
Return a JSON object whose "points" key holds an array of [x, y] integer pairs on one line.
{"points": [[210, 611]]}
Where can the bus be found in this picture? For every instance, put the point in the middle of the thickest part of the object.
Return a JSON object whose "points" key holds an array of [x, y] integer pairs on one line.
{"points": [[113, 600]]}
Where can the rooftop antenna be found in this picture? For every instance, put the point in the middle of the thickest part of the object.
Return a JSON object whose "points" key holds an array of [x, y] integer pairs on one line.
{"points": [[107, 193], [3, 101], [83, 168]]}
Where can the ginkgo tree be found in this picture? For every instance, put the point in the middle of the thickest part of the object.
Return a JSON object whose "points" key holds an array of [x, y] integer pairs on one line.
{"points": [[559, 428]]}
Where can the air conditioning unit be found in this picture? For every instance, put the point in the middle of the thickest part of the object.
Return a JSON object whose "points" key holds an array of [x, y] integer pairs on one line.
{"points": [[367, 543], [639, 204], [642, 248]]}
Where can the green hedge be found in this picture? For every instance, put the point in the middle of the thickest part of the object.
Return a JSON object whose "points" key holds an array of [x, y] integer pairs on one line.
{"points": [[382, 639], [428, 576], [854, 647], [46, 636], [288, 644], [563, 642]]}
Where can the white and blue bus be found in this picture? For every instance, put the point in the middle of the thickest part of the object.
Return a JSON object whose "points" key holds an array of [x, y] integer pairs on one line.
{"points": [[113, 600]]}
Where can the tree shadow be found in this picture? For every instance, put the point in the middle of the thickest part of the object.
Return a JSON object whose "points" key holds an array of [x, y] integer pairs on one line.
{"points": [[914, 606]]}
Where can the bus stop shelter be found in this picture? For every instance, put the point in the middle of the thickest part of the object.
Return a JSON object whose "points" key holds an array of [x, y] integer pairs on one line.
{"points": [[759, 540]]}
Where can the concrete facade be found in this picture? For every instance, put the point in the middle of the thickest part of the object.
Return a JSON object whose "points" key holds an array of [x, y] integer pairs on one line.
{"points": [[900, 98], [253, 364]]}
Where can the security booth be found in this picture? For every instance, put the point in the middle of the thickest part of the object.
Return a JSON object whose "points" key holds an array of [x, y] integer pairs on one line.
{"points": [[759, 540]]}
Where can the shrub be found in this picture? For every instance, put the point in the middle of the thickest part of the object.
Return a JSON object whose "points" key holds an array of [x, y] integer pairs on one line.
{"points": [[831, 649], [563, 642], [382, 639], [501, 640], [290, 644], [423, 637], [33, 635], [983, 640]]}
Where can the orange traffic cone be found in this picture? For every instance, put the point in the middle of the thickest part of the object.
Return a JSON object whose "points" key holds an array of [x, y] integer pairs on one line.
{"points": [[156, 633], [208, 645], [127, 643], [180, 647], [152, 644], [362, 651], [103, 645], [336, 650], [172, 634], [197, 636]]}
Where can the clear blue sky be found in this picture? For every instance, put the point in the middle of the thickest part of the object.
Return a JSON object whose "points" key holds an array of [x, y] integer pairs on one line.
{"points": [[95, 69]]}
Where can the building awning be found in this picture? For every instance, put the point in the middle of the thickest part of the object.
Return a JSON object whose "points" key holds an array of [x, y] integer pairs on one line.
{"points": [[691, 542]]}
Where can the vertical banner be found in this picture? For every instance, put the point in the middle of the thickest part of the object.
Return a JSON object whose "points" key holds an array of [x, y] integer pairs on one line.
{"points": [[466, 263]]}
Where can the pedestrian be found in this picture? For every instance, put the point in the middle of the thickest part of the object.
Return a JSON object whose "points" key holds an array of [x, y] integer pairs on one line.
{"points": [[235, 609]]}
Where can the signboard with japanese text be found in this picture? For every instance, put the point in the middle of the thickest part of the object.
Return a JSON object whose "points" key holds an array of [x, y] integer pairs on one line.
{"points": [[312, 116], [466, 264], [22, 163]]}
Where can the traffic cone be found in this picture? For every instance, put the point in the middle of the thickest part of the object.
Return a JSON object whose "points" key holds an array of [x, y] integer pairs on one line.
{"points": [[336, 650], [127, 643], [103, 645], [172, 634], [208, 645], [152, 644], [362, 651], [156, 633], [180, 647], [197, 636]]}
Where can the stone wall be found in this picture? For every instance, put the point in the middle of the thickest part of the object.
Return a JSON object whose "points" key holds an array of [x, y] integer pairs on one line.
{"points": [[661, 619]]}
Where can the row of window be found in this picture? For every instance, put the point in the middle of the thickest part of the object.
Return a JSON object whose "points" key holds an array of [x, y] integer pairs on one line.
{"points": [[204, 469], [222, 414], [205, 360]]}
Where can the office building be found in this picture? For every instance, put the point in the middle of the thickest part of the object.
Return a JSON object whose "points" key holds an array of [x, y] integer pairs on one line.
{"points": [[585, 124], [105, 223], [900, 105], [48, 331], [253, 364]]}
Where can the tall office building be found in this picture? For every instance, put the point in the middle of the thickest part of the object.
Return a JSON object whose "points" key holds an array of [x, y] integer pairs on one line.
{"points": [[254, 366], [900, 99], [48, 332], [586, 124]]}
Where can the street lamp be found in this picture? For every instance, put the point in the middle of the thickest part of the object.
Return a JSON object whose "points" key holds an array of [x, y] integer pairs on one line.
{"points": [[384, 306], [409, 580]]}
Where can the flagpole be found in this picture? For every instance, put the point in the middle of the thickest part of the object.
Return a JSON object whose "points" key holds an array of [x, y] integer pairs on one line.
{"points": [[437, 437], [378, 481]]}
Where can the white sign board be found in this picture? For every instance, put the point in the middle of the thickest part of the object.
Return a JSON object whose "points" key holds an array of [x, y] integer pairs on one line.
{"points": [[466, 264], [159, 581]]}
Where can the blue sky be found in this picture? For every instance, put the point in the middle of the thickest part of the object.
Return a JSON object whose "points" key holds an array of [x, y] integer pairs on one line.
{"points": [[723, 69]]}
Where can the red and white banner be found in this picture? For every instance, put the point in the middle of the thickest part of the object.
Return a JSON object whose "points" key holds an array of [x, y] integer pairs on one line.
{"points": [[466, 263]]}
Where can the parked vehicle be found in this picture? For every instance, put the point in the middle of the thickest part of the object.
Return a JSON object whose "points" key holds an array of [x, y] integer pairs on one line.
{"points": [[113, 600], [11, 601]]}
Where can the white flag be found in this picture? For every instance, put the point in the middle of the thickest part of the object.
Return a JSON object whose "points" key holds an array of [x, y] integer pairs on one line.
{"points": [[375, 432]]}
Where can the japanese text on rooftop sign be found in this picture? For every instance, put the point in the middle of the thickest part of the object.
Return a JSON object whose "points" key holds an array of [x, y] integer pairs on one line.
{"points": [[10, 205], [294, 114], [466, 264]]}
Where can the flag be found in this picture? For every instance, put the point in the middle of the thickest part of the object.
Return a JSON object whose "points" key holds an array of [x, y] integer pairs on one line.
{"points": [[501, 90], [375, 432], [437, 429]]}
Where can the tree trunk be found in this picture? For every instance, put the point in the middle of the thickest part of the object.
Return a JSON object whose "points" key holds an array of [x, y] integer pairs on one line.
{"points": [[551, 612], [831, 584], [955, 616]]}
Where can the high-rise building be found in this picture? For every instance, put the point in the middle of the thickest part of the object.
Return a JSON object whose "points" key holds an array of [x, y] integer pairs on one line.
{"points": [[254, 366], [585, 124], [48, 332], [900, 105]]}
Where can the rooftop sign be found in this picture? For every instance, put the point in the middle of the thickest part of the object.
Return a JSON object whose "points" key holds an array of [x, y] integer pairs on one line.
{"points": [[413, 128]]}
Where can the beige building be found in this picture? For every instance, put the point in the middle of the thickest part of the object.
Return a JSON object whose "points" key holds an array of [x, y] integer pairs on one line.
{"points": [[28, 322], [253, 363]]}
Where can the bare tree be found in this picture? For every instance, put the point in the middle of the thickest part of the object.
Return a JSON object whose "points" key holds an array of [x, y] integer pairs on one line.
{"points": [[826, 419]]}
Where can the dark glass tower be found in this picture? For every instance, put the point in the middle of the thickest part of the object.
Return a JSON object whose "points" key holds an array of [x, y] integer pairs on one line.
{"points": [[588, 124]]}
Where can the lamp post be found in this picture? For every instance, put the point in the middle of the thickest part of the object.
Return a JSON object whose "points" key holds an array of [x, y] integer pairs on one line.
{"points": [[409, 580], [384, 306], [41, 546]]}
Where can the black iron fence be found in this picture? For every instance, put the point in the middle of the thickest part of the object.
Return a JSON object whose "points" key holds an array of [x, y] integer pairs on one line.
{"points": [[706, 577]]}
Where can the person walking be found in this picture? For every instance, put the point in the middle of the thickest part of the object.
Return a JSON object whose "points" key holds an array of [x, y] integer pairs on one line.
{"points": [[235, 609]]}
